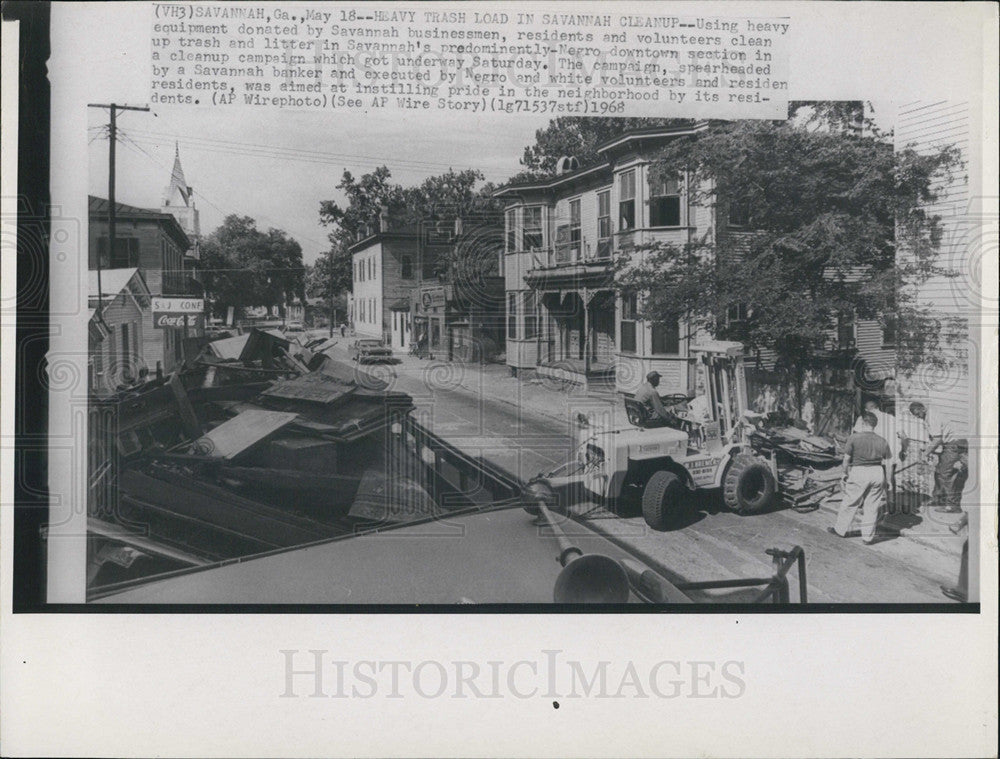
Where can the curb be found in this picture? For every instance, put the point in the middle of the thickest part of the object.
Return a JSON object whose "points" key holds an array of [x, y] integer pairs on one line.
{"points": [[937, 542]]}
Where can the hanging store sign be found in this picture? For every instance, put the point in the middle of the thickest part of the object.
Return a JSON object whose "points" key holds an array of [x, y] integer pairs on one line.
{"points": [[178, 305], [173, 313]]}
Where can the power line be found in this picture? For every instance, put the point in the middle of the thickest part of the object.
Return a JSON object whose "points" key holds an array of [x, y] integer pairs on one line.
{"points": [[277, 151], [131, 143]]}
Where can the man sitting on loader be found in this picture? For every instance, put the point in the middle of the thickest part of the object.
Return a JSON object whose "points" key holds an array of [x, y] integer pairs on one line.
{"points": [[657, 414]]}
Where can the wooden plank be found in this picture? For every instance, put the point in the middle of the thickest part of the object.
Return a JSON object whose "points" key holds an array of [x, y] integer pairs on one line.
{"points": [[189, 422], [242, 432], [314, 386]]}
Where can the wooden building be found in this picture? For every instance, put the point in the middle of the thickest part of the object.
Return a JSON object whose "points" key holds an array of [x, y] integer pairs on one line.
{"points": [[118, 311], [154, 243]]}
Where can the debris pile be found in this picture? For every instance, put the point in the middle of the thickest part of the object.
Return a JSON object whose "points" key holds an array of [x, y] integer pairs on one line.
{"points": [[259, 444]]}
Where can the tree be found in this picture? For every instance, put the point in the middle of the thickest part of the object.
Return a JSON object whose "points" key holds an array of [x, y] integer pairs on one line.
{"points": [[579, 136], [439, 198], [828, 209], [242, 266]]}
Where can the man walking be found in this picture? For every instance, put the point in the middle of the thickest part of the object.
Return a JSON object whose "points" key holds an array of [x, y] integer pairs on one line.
{"points": [[864, 486]]}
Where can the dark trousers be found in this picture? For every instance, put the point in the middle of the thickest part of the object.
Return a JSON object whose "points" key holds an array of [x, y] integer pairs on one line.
{"points": [[949, 484]]}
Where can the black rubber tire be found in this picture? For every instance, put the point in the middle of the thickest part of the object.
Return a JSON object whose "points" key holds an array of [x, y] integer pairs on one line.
{"points": [[664, 500], [748, 485]]}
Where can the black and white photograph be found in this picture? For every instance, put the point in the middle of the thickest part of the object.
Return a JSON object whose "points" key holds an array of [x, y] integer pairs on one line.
{"points": [[380, 355], [656, 345]]}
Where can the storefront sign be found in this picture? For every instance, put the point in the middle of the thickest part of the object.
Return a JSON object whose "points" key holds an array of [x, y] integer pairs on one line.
{"points": [[175, 313], [178, 305], [431, 298]]}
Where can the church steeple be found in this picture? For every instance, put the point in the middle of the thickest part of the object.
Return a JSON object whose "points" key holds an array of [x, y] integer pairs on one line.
{"points": [[178, 193], [178, 199]]}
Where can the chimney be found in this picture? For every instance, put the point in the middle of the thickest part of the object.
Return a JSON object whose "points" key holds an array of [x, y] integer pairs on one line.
{"points": [[383, 219]]}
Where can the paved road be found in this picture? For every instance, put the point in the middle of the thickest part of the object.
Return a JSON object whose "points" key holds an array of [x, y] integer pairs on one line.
{"points": [[714, 543]]}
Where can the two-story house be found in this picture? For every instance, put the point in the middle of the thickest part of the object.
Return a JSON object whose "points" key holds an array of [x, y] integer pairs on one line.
{"points": [[564, 237], [437, 285], [565, 316], [387, 266], [155, 244]]}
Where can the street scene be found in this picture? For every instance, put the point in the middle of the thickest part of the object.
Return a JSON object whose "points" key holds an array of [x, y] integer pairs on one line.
{"points": [[643, 361]]}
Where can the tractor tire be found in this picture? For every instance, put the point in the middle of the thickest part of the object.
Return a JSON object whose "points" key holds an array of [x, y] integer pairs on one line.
{"points": [[748, 485], [664, 500]]}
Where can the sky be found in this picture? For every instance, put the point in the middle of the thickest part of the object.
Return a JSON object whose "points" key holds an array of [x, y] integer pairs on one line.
{"points": [[277, 168]]}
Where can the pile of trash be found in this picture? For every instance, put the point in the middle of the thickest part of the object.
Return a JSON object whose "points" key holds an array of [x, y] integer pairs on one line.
{"points": [[256, 445]]}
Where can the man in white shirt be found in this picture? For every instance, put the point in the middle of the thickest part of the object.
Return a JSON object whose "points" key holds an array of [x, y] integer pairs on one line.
{"points": [[952, 468]]}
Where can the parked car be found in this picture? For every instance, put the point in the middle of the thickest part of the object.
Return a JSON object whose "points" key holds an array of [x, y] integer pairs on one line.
{"points": [[295, 331], [369, 350]]}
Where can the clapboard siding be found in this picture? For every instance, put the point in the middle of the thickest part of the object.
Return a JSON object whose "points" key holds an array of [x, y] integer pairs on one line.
{"points": [[950, 389]]}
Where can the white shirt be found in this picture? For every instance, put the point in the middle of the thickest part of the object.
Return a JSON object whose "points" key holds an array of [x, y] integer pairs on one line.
{"points": [[938, 426]]}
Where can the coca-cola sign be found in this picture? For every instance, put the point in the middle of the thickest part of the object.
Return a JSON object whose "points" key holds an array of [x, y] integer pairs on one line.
{"points": [[177, 321]]}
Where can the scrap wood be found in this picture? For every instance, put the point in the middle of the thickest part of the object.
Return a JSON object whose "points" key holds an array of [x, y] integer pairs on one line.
{"points": [[189, 422], [242, 432]]}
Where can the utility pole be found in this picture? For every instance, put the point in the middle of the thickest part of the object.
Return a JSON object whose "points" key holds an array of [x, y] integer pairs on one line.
{"points": [[333, 310], [112, 140]]}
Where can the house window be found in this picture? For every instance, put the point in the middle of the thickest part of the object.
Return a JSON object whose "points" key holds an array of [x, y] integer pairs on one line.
{"points": [[371, 268], [604, 224], [126, 253], [406, 267], [530, 316], [511, 316], [126, 352], [428, 265], [736, 314], [626, 200], [739, 212], [574, 227], [665, 203], [533, 228], [889, 331], [629, 309], [512, 230], [666, 338]]}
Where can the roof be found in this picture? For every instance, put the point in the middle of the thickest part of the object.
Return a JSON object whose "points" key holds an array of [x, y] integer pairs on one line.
{"points": [[633, 135], [367, 242], [178, 184], [99, 208]]}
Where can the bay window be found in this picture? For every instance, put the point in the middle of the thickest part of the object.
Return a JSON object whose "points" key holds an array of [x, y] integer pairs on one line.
{"points": [[665, 202], [604, 224]]}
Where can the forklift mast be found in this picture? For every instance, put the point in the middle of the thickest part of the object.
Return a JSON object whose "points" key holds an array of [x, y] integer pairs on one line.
{"points": [[725, 384]]}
